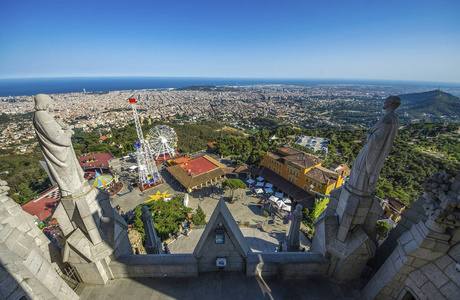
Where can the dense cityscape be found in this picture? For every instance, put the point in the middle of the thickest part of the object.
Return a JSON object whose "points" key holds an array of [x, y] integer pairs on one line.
{"points": [[230, 150], [302, 106], [278, 155]]}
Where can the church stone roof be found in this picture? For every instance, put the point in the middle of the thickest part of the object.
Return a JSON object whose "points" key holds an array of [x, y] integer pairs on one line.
{"points": [[222, 215]]}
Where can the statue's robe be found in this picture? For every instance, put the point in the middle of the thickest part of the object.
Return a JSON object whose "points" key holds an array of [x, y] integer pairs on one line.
{"points": [[369, 162], [59, 154]]}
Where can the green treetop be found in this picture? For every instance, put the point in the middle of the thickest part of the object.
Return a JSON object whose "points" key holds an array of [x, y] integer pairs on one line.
{"points": [[233, 184]]}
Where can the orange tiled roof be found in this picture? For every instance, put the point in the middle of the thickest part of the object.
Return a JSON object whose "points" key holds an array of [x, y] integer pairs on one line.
{"points": [[322, 175], [304, 160]]}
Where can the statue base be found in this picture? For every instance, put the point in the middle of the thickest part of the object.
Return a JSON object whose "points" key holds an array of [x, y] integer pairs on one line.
{"points": [[93, 232], [345, 233]]}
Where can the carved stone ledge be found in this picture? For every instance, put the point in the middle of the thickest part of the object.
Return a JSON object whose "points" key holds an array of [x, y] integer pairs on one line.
{"points": [[442, 203]]}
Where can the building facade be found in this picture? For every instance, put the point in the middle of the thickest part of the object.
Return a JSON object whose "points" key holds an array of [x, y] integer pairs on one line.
{"points": [[194, 174], [302, 169]]}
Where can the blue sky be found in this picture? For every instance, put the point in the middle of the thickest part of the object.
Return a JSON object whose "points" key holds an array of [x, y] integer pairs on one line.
{"points": [[392, 40]]}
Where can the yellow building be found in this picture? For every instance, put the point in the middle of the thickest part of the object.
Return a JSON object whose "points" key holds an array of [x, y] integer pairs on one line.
{"points": [[303, 170]]}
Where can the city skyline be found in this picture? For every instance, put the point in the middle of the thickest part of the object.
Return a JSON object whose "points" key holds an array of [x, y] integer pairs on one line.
{"points": [[410, 41]]}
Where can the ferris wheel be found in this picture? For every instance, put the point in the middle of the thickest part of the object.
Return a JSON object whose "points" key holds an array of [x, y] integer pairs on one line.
{"points": [[163, 141]]}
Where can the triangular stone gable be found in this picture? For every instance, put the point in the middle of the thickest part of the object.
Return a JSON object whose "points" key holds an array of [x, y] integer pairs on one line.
{"points": [[234, 249]]}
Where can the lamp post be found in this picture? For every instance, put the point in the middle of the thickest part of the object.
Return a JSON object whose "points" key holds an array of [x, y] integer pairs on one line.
{"points": [[311, 190]]}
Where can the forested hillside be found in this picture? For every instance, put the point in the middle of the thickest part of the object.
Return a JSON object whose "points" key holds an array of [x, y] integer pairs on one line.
{"points": [[429, 106], [419, 151], [404, 170]]}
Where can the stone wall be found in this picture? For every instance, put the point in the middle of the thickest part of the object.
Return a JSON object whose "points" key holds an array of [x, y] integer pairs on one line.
{"points": [[425, 262], [419, 264], [207, 262], [27, 257], [409, 217], [286, 264], [437, 280], [155, 265]]}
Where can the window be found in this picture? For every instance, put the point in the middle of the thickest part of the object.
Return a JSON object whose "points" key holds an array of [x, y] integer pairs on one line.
{"points": [[220, 237], [270, 167], [319, 186], [314, 183], [408, 296], [220, 234]]}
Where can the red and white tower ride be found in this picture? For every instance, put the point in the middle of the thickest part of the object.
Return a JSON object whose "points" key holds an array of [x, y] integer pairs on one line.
{"points": [[147, 170]]}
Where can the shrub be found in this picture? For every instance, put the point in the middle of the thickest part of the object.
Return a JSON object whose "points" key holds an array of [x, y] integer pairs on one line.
{"points": [[199, 218]]}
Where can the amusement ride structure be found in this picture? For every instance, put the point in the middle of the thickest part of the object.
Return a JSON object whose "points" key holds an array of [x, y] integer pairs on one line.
{"points": [[163, 141], [147, 170]]}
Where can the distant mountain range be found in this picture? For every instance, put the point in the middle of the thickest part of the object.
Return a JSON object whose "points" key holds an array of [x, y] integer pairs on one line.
{"points": [[429, 106]]}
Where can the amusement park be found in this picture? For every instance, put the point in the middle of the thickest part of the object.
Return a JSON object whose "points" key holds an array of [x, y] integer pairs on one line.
{"points": [[156, 171]]}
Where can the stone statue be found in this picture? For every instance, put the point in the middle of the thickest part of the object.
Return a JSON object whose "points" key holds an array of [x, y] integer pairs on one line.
{"points": [[54, 139], [293, 242], [166, 247], [4, 188], [152, 241], [369, 162]]}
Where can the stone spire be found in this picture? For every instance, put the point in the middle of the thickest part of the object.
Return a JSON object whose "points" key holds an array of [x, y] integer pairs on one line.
{"points": [[153, 242], [293, 242]]}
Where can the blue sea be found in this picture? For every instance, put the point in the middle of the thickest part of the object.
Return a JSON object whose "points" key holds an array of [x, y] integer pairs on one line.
{"points": [[32, 86]]}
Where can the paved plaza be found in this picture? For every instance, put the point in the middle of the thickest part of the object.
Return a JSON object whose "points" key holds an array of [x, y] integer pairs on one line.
{"points": [[262, 233], [258, 240]]}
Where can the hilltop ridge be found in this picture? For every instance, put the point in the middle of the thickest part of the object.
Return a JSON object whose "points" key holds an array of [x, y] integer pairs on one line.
{"points": [[430, 106]]}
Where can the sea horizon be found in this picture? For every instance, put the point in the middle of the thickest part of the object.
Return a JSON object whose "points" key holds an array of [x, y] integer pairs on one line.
{"points": [[59, 85]]}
